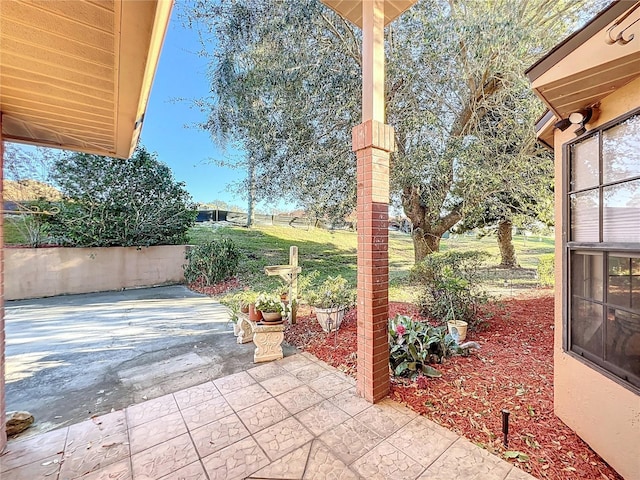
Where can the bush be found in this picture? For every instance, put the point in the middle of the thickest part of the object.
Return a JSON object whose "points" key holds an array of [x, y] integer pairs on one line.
{"points": [[546, 270], [112, 202], [414, 345], [450, 288], [212, 262], [334, 292]]}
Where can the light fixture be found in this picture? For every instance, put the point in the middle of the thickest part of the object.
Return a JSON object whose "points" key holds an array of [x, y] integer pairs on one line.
{"points": [[579, 117]]}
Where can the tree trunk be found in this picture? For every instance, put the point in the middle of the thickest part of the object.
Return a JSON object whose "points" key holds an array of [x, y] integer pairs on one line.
{"points": [[424, 243], [250, 194], [505, 242]]}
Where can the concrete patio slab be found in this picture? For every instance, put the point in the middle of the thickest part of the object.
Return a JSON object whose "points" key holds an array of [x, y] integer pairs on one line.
{"points": [[236, 427]]}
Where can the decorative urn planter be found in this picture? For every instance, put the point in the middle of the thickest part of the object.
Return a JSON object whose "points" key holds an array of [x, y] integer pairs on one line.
{"points": [[330, 319], [459, 327]]}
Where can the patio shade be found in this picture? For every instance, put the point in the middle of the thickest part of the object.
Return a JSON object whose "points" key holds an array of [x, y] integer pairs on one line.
{"points": [[76, 74], [352, 9]]}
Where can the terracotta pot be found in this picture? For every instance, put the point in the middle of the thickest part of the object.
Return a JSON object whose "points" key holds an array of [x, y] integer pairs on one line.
{"points": [[244, 308], [254, 315], [271, 317]]}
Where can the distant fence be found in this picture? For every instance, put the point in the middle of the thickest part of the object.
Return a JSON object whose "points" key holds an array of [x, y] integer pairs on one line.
{"points": [[240, 218]]}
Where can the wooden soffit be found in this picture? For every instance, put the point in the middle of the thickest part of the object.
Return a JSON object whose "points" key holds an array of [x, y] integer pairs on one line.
{"points": [[590, 64], [76, 74], [352, 9]]}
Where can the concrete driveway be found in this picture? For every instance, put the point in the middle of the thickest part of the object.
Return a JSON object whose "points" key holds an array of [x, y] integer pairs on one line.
{"points": [[72, 357]]}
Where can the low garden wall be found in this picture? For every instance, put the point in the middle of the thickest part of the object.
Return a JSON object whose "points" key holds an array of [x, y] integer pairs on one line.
{"points": [[45, 272]]}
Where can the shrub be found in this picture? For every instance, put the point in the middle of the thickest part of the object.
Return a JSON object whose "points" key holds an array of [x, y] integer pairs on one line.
{"points": [[414, 345], [334, 292], [450, 286], [212, 262], [112, 202], [546, 270]]}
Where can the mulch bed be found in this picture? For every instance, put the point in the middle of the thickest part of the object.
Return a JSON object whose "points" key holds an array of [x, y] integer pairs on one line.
{"points": [[217, 289], [513, 370]]}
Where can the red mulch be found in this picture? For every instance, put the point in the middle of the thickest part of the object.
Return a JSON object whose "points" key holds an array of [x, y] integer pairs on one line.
{"points": [[217, 289], [513, 371]]}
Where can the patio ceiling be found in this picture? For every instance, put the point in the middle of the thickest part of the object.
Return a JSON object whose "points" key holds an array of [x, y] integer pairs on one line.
{"points": [[352, 9], [76, 74], [589, 65]]}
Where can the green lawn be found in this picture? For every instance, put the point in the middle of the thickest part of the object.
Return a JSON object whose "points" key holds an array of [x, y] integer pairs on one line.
{"points": [[334, 252]]}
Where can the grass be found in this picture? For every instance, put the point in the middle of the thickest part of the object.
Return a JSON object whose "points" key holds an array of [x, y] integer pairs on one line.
{"points": [[334, 252], [12, 233]]}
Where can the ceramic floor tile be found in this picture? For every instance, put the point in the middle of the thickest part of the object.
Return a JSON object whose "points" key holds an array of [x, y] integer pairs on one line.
{"points": [[289, 467], [206, 412], [324, 465], [195, 395], [517, 474], [247, 397], [294, 362], [81, 458], [299, 398], [30, 450], [150, 410], [219, 434], [350, 402], [321, 417], [350, 440], [263, 415], [465, 460], [44, 468], [156, 431], [163, 459], [280, 384], [235, 461], [329, 385], [233, 382], [423, 440], [193, 471], [116, 471], [309, 356], [97, 428], [266, 370], [384, 420], [310, 372], [282, 438], [386, 462]]}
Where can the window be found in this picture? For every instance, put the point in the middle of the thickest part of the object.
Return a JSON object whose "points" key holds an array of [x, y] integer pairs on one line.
{"points": [[602, 193]]}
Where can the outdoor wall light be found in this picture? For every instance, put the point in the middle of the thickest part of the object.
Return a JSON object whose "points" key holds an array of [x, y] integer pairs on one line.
{"points": [[581, 117]]}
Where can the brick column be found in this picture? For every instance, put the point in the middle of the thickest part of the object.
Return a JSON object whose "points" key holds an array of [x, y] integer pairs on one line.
{"points": [[372, 142], [3, 434]]}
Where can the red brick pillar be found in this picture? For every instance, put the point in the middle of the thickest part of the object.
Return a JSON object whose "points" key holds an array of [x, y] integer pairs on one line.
{"points": [[372, 142], [3, 434]]}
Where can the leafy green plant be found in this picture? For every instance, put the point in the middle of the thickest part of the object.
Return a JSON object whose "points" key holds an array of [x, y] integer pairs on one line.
{"points": [[450, 288], [271, 303], [334, 292], [414, 345], [212, 262], [546, 270]]}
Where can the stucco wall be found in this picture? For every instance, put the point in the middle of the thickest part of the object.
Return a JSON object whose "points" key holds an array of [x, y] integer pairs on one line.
{"points": [[44, 272], [604, 413]]}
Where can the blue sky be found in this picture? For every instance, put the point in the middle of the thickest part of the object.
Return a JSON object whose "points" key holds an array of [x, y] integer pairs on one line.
{"points": [[167, 130]]}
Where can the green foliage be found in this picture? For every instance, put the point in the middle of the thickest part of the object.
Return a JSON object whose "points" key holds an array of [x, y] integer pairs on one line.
{"points": [[112, 202], [212, 262], [271, 303], [334, 292], [450, 286], [546, 270], [414, 345], [32, 223]]}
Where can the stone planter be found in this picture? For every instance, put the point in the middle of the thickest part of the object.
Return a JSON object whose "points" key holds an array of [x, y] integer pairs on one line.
{"points": [[330, 319], [271, 317]]}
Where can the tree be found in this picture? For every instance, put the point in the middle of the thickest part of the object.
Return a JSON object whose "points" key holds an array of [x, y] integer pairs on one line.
{"points": [[113, 202], [286, 85]]}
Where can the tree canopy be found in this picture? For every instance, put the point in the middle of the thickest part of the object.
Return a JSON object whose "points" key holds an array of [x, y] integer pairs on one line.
{"points": [[286, 88], [113, 202]]}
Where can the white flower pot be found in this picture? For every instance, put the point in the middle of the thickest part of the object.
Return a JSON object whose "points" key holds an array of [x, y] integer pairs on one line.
{"points": [[460, 326], [330, 317]]}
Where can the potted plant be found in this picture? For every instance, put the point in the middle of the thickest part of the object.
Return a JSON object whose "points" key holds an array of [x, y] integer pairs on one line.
{"points": [[330, 300], [271, 306]]}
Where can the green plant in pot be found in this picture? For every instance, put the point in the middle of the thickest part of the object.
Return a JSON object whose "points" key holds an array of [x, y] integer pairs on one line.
{"points": [[272, 308], [330, 300]]}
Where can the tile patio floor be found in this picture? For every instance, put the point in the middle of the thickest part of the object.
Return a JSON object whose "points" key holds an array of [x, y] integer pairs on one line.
{"points": [[291, 419]]}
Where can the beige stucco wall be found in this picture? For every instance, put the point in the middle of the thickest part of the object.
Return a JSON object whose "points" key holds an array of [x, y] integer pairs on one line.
{"points": [[604, 413], [44, 272]]}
